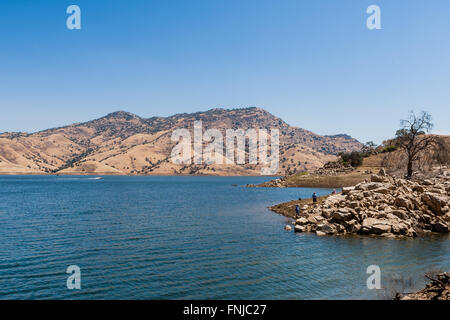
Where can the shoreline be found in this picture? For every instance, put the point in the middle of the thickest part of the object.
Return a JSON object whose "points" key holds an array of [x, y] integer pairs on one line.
{"points": [[384, 206], [437, 289], [312, 180], [127, 175]]}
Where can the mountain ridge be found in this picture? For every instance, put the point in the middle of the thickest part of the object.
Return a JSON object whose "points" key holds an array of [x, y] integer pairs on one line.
{"points": [[124, 143]]}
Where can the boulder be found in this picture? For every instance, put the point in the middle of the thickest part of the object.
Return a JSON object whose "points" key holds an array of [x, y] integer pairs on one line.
{"points": [[376, 226], [369, 222], [374, 185], [327, 228], [342, 215], [399, 228], [354, 204], [352, 226], [440, 227], [418, 188], [312, 220], [401, 183], [402, 202], [301, 221], [381, 228], [326, 213], [288, 228], [377, 178], [319, 218], [299, 228], [435, 202], [320, 233], [411, 233]]}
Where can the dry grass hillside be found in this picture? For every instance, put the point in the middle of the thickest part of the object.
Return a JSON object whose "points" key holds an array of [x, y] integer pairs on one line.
{"points": [[123, 143], [393, 162], [370, 165]]}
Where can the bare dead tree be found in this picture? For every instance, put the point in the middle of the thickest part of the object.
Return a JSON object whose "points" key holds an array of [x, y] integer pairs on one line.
{"points": [[413, 139]]}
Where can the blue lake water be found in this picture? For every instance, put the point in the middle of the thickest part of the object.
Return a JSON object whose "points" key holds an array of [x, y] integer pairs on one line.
{"points": [[183, 238]]}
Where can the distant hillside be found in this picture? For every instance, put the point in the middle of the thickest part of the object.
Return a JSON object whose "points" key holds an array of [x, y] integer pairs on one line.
{"points": [[124, 143]]}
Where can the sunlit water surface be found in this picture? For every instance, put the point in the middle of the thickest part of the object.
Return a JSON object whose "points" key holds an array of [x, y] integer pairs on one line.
{"points": [[183, 238]]}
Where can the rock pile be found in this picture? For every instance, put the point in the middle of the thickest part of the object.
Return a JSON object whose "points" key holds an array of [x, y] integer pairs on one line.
{"points": [[384, 206], [276, 183], [334, 168]]}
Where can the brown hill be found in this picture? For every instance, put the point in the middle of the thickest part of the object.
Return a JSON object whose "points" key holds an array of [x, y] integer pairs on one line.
{"points": [[123, 143]]}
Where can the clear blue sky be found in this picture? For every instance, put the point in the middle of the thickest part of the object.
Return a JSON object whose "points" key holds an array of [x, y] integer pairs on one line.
{"points": [[312, 63]]}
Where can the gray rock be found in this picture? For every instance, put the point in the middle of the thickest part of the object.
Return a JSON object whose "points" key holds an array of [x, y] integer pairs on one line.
{"points": [[403, 203], [381, 228], [399, 228], [435, 202], [302, 221], [374, 185], [342, 215], [312, 220], [327, 228]]}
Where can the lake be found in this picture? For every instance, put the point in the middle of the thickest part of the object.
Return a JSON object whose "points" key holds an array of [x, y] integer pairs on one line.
{"points": [[184, 238]]}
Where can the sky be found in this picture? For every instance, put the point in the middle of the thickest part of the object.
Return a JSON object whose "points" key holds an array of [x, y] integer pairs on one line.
{"points": [[315, 64]]}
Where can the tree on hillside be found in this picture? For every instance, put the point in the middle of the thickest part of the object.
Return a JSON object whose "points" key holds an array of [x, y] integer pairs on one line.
{"points": [[413, 139], [369, 147], [354, 158]]}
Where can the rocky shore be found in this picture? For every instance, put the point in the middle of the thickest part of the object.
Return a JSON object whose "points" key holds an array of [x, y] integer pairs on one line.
{"points": [[438, 289], [382, 206]]}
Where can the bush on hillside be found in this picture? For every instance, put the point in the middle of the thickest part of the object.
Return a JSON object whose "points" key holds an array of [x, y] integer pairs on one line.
{"points": [[354, 158], [389, 149]]}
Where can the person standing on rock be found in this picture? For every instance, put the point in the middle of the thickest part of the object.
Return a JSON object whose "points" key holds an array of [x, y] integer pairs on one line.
{"points": [[314, 197], [297, 211]]}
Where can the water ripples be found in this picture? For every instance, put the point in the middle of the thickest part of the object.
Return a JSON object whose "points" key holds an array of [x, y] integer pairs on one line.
{"points": [[182, 238]]}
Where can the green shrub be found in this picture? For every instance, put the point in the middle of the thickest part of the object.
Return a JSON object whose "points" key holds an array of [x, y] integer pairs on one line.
{"points": [[389, 149], [354, 158]]}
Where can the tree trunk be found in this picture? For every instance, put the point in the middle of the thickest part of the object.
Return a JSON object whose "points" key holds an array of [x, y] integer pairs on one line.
{"points": [[410, 168]]}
